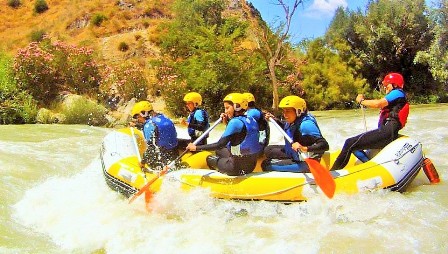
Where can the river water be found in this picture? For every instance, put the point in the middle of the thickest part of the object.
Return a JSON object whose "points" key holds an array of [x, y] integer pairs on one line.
{"points": [[54, 200]]}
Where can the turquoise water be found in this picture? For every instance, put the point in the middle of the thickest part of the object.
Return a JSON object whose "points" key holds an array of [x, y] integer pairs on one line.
{"points": [[54, 200]]}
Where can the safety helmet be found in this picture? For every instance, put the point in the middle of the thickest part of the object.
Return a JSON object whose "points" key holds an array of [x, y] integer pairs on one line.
{"points": [[394, 79], [293, 101], [141, 106], [194, 97], [239, 101], [250, 97]]}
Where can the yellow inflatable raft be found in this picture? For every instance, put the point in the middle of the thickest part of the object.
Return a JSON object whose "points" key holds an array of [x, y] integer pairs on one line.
{"points": [[394, 167]]}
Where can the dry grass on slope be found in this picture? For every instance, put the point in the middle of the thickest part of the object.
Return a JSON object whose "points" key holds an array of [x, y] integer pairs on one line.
{"points": [[129, 21]]}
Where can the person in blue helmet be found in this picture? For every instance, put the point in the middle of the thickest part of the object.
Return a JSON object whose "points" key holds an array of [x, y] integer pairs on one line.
{"points": [[160, 135], [258, 115], [301, 126], [197, 121], [394, 111], [238, 148]]}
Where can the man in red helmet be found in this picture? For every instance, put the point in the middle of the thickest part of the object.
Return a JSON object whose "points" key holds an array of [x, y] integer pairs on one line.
{"points": [[393, 115]]}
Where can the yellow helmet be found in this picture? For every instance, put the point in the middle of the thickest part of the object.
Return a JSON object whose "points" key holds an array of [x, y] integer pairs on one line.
{"points": [[141, 106], [293, 101], [239, 101], [194, 97], [250, 97]]}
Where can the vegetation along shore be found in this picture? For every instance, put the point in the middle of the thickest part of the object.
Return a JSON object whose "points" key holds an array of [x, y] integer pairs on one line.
{"points": [[88, 62]]}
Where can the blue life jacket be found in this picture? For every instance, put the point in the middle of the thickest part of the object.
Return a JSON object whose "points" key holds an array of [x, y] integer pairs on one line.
{"points": [[160, 130], [247, 144], [263, 125], [197, 115], [305, 125]]}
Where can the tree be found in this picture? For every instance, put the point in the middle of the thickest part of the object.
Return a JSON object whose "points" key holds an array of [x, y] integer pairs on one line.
{"points": [[387, 38], [202, 52], [273, 46], [437, 54], [328, 80]]}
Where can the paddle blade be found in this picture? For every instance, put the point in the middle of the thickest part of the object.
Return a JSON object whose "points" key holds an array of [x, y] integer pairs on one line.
{"points": [[148, 196], [146, 187], [322, 177]]}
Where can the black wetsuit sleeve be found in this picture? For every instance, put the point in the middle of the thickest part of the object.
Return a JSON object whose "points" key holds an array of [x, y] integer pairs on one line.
{"points": [[222, 142], [320, 145]]}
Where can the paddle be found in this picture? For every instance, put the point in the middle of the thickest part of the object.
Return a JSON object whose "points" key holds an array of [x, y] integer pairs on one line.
{"points": [[171, 164], [134, 142], [322, 177]]}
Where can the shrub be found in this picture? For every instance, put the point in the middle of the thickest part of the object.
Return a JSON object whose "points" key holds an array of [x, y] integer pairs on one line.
{"points": [[15, 106], [37, 35], [123, 46], [129, 80], [98, 19], [80, 110], [45, 69], [14, 3], [40, 6]]}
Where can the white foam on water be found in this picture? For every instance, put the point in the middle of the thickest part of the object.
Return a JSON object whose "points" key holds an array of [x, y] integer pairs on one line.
{"points": [[80, 214]]}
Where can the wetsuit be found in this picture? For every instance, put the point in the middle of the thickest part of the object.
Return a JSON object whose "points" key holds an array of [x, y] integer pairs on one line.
{"points": [[161, 137], [263, 125], [392, 118], [237, 149], [303, 130], [197, 124]]}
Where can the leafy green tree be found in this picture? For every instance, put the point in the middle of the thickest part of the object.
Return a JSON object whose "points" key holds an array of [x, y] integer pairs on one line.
{"points": [[387, 38], [437, 54], [273, 45], [203, 53], [328, 81]]}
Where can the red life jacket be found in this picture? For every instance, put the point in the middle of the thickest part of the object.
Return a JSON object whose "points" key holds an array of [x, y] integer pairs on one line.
{"points": [[398, 109]]}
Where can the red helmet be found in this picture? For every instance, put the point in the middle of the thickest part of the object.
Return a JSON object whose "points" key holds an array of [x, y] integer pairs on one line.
{"points": [[394, 79]]}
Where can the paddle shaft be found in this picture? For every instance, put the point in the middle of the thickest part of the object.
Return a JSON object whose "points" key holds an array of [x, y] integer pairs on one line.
{"points": [[322, 177], [134, 141], [279, 128], [171, 164], [199, 139]]}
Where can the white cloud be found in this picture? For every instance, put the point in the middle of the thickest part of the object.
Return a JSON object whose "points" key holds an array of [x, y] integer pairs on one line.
{"points": [[324, 7]]}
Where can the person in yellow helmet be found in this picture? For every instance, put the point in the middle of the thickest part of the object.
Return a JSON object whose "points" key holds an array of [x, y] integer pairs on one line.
{"points": [[160, 135], [197, 121], [238, 148], [258, 115], [301, 126]]}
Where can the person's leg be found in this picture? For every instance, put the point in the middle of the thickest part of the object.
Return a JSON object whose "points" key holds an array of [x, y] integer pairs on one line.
{"points": [[275, 152], [375, 139], [212, 162]]}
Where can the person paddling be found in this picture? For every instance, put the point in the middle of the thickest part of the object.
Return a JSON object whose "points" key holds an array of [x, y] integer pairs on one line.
{"points": [[197, 121], [393, 116], [238, 148], [301, 126], [160, 135]]}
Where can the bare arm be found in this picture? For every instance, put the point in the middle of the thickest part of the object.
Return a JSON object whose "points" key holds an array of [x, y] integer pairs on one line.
{"points": [[377, 103]]}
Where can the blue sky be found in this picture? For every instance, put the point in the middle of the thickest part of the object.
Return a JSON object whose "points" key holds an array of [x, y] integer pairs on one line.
{"points": [[311, 20]]}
